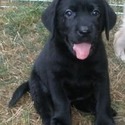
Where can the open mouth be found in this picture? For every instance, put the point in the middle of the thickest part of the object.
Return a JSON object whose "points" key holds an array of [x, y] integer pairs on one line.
{"points": [[82, 50]]}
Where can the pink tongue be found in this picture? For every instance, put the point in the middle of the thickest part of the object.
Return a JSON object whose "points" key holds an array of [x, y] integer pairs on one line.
{"points": [[82, 50]]}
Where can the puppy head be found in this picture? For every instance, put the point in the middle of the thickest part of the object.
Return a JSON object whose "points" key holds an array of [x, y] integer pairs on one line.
{"points": [[79, 23]]}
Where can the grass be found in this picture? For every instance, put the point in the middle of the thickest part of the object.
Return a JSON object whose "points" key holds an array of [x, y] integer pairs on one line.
{"points": [[22, 36]]}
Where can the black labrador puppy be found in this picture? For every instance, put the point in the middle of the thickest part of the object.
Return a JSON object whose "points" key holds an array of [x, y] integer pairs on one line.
{"points": [[72, 68]]}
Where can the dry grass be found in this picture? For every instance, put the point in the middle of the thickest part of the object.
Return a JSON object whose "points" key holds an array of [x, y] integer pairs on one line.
{"points": [[21, 39]]}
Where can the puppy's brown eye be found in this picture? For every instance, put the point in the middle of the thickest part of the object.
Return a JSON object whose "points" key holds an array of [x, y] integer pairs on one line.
{"points": [[68, 13], [95, 13]]}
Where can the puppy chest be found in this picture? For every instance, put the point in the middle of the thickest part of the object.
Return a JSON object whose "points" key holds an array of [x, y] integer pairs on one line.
{"points": [[76, 88], [77, 80]]}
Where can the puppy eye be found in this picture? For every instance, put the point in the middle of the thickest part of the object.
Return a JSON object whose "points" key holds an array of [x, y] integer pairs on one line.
{"points": [[95, 13], [68, 13]]}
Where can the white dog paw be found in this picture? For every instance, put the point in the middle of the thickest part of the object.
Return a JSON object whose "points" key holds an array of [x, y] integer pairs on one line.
{"points": [[123, 58], [121, 55]]}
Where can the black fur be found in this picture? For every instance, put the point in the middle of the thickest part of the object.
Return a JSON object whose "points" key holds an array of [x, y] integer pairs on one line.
{"points": [[59, 78]]}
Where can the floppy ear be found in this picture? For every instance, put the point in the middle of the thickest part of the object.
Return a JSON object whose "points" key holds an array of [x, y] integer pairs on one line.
{"points": [[48, 16], [110, 19]]}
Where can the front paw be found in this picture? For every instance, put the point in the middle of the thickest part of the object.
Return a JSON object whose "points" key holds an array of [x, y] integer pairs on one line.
{"points": [[57, 121], [104, 122]]}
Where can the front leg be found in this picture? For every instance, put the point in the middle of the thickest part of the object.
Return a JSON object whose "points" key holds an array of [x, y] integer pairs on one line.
{"points": [[103, 106], [61, 105]]}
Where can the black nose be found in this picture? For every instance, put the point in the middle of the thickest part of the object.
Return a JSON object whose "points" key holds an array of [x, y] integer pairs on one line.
{"points": [[83, 30]]}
